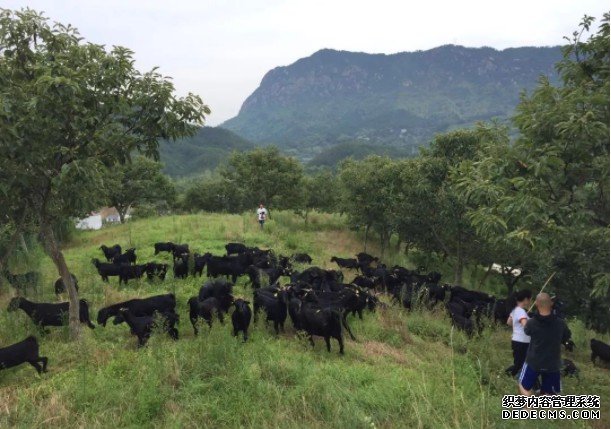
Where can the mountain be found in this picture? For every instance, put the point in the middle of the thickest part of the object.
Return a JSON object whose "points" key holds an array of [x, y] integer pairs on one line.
{"points": [[398, 100], [204, 151]]}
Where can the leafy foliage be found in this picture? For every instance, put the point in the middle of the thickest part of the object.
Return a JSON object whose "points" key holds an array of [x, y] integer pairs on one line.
{"points": [[68, 109], [332, 156], [210, 194], [134, 184], [320, 192], [263, 175], [368, 193], [549, 192]]}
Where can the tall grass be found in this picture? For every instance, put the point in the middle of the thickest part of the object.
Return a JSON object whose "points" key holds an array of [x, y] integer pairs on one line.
{"points": [[406, 369]]}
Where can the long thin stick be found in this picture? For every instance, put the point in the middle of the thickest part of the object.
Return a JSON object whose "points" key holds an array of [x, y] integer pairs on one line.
{"points": [[548, 280]]}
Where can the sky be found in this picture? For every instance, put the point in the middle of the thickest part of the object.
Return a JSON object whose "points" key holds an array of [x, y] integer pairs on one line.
{"points": [[221, 49]]}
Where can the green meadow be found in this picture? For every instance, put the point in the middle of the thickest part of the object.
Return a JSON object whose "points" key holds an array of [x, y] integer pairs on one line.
{"points": [[406, 369]]}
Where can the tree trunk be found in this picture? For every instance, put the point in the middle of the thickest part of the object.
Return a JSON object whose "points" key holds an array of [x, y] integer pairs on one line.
{"points": [[366, 236], [9, 249], [398, 248], [486, 274], [13, 240], [459, 264], [52, 249], [510, 284], [386, 236], [510, 281], [24, 246], [122, 213], [406, 248]]}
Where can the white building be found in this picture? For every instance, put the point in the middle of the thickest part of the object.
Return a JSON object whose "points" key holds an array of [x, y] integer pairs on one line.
{"points": [[97, 219], [91, 222]]}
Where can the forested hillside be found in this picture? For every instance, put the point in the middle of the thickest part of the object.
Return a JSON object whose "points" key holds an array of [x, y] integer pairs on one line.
{"points": [[208, 148], [400, 100], [331, 156]]}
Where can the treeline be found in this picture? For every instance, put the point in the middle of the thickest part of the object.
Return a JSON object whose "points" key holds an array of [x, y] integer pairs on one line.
{"points": [[538, 203]]}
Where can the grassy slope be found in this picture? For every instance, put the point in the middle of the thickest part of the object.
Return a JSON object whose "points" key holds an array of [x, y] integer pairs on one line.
{"points": [[405, 370]]}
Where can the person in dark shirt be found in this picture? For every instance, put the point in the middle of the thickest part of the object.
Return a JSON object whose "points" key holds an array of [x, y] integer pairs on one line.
{"points": [[547, 333]]}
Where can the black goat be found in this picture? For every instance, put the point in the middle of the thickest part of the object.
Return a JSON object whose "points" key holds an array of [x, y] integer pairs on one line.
{"points": [[363, 281], [324, 322], [274, 304], [318, 278], [302, 258], [129, 257], [365, 258], [569, 369], [60, 287], [204, 309], [470, 295], [181, 267], [464, 324], [220, 289], [257, 275], [569, 345], [346, 262], [106, 270], [164, 247], [155, 270], [501, 310], [44, 314], [599, 350], [460, 308], [142, 326], [345, 301], [233, 266], [240, 318], [235, 248], [199, 262], [128, 272], [111, 252], [180, 250], [22, 352], [139, 307]]}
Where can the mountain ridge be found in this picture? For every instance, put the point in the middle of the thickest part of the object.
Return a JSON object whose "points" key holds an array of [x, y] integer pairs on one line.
{"points": [[399, 99]]}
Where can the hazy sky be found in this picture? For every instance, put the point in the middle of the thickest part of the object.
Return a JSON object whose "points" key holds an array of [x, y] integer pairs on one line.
{"points": [[221, 49]]}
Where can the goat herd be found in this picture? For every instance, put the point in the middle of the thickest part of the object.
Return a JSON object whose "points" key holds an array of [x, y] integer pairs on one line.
{"points": [[316, 300]]}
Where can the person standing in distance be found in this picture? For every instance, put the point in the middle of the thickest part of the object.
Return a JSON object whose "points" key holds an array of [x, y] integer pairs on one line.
{"points": [[261, 215], [547, 332]]}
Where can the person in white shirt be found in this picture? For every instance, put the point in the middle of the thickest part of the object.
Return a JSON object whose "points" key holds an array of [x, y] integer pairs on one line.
{"points": [[261, 215], [519, 340]]}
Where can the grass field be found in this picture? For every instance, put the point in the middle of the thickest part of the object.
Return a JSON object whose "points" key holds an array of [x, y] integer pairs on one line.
{"points": [[404, 370]]}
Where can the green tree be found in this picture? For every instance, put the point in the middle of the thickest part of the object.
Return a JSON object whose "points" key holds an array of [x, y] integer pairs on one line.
{"points": [[369, 189], [67, 110], [320, 192], [429, 213], [550, 190], [136, 183], [211, 194], [264, 175]]}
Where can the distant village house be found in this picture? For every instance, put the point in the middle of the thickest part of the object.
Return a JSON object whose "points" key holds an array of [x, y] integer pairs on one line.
{"points": [[99, 218]]}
